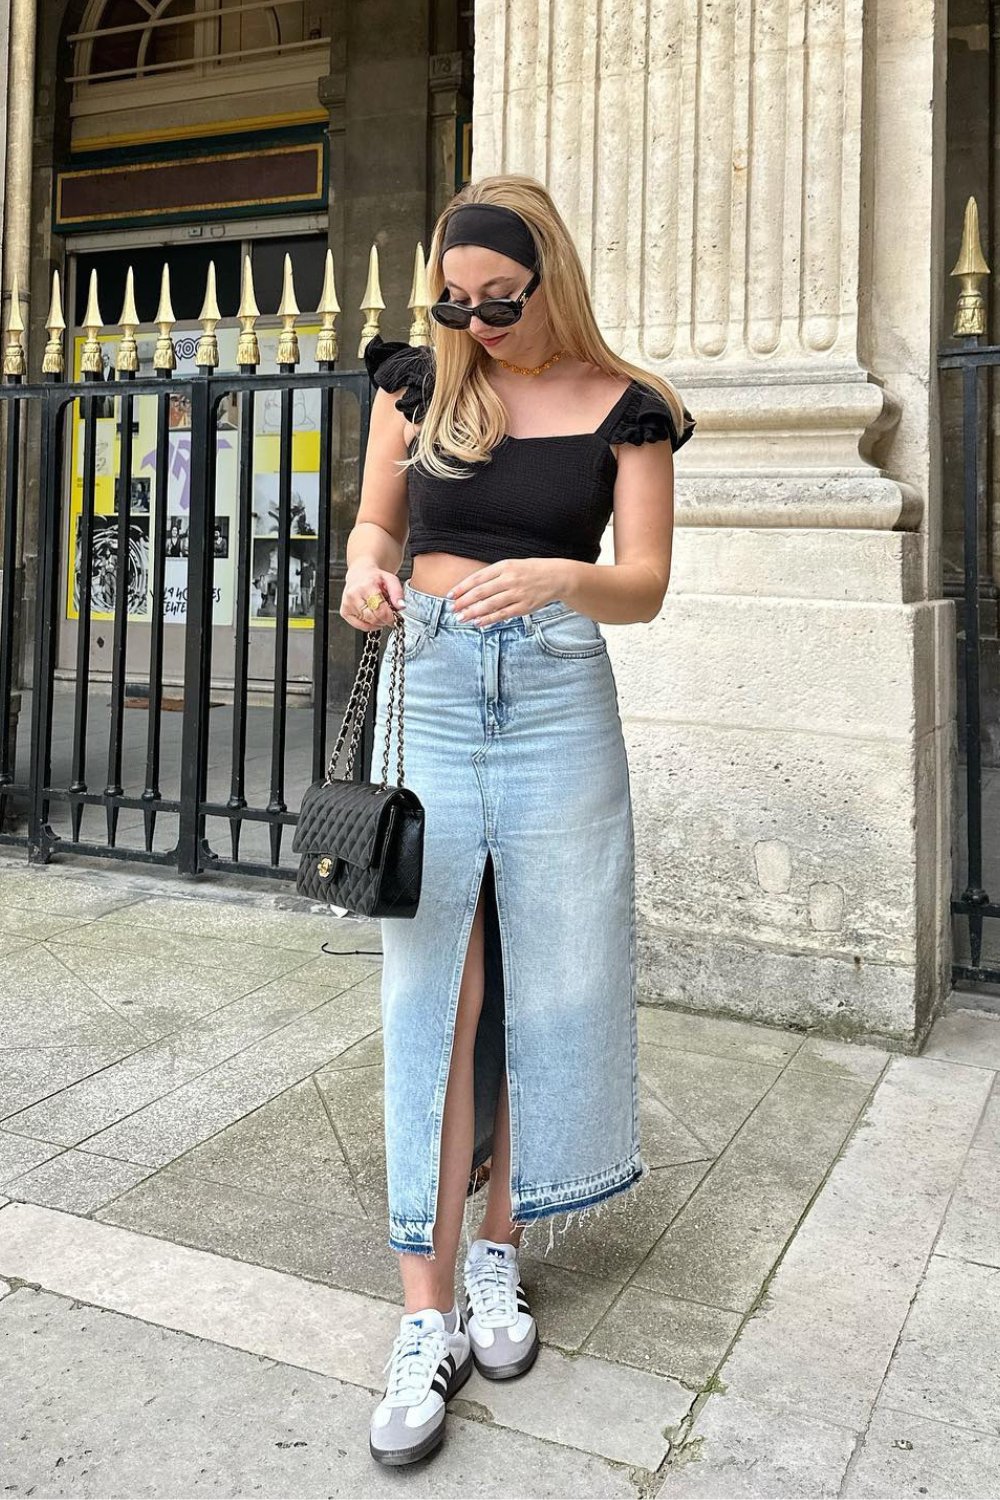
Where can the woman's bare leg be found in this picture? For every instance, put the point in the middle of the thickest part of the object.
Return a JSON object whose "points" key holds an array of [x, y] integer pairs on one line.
{"points": [[496, 1223], [427, 1282]]}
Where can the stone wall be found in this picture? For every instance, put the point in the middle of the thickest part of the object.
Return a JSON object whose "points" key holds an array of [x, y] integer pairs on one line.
{"points": [[757, 198]]}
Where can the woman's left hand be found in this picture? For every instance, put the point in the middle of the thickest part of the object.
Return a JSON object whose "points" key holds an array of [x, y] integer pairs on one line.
{"points": [[514, 586]]}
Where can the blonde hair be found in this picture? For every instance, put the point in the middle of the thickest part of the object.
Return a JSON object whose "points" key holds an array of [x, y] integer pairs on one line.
{"points": [[465, 418]]}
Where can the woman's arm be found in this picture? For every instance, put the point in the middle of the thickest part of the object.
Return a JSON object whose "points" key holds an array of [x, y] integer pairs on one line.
{"points": [[377, 541], [633, 588]]}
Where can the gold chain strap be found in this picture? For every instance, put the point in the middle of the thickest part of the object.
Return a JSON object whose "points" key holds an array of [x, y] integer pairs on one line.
{"points": [[357, 704]]}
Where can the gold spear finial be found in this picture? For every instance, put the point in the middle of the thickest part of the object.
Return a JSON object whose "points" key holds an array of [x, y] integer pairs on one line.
{"points": [[971, 267], [164, 355], [92, 358], [248, 347], [420, 301], [15, 365], [326, 342], [371, 303], [207, 353], [54, 360], [288, 341], [127, 360]]}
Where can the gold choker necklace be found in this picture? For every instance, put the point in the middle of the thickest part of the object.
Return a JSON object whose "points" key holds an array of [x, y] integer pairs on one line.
{"points": [[533, 369]]}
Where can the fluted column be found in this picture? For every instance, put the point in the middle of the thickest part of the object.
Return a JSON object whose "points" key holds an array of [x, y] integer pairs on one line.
{"points": [[708, 155]]}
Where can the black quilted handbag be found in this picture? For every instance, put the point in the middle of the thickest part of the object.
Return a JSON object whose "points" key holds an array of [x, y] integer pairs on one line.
{"points": [[362, 843]]}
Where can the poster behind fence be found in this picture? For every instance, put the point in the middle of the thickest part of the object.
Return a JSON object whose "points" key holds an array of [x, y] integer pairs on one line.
{"points": [[142, 509]]}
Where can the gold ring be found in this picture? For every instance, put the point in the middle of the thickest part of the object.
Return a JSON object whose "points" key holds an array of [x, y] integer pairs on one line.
{"points": [[373, 601]]}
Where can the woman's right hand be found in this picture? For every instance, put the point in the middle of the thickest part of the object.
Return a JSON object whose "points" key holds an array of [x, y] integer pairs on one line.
{"points": [[364, 581]]}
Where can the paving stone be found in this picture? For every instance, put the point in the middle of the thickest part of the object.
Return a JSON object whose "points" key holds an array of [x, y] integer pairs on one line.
{"points": [[355, 1098], [822, 1342], [17, 924], [965, 1036], [724, 1242], [664, 1139], [11, 945], [737, 1448], [255, 961], [158, 998], [947, 1364], [905, 1456], [162, 1130], [611, 1244], [43, 1004], [4, 1285], [40, 891], [76, 1182], [28, 1074], [988, 1134], [584, 1403], [364, 1054], [192, 1418], [83, 1108], [711, 1096], [19, 1154], [972, 1224], [567, 1305], [664, 1334], [196, 917], [285, 1149], [741, 1041], [839, 1060], [338, 1249]]}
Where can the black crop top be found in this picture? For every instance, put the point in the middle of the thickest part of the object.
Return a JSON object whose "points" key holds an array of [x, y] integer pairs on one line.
{"points": [[537, 496]]}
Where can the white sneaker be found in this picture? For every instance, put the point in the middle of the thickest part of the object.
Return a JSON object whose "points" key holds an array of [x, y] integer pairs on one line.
{"points": [[504, 1334], [426, 1367]]}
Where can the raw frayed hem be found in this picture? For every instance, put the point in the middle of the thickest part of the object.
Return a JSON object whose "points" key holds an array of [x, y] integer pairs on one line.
{"points": [[622, 1195]]}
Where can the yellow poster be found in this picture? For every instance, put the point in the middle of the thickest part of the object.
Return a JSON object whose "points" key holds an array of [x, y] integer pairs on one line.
{"points": [[143, 502]]}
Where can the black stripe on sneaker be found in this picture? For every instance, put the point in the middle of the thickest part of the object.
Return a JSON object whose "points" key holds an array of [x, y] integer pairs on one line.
{"points": [[440, 1383]]}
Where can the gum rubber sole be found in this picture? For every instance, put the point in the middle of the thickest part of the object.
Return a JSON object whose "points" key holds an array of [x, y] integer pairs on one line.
{"points": [[396, 1458], [509, 1372]]}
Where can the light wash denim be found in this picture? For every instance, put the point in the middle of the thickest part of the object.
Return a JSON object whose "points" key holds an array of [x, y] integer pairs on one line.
{"points": [[514, 744]]}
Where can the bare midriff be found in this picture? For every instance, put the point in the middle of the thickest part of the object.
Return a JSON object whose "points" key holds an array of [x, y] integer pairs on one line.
{"points": [[437, 572]]}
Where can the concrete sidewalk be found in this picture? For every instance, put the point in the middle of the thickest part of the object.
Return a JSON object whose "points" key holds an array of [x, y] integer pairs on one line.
{"points": [[803, 1299]]}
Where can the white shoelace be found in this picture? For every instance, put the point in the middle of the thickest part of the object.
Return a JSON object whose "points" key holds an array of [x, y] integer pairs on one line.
{"points": [[491, 1283], [412, 1365]]}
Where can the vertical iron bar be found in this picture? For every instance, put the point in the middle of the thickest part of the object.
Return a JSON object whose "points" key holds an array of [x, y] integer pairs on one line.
{"points": [[368, 723], [151, 791], [243, 542], [84, 579], [276, 802], [114, 789], [973, 717], [321, 612], [54, 411], [11, 512], [192, 849]]}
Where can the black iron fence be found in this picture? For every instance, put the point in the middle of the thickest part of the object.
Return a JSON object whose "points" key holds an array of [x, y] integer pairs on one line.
{"points": [[128, 575], [974, 361]]}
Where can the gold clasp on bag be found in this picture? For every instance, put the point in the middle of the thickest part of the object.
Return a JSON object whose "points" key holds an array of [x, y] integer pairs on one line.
{"points": [[325, 868]]}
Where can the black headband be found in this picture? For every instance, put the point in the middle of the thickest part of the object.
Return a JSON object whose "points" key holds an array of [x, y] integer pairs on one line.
{"points": [[496, 228]]}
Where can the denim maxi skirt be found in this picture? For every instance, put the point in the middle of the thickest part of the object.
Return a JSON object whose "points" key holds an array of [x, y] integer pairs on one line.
{"points": [[513, 742]]}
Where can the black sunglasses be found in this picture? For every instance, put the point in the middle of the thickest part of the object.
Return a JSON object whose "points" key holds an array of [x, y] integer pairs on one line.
{"points": [[495, 312]]}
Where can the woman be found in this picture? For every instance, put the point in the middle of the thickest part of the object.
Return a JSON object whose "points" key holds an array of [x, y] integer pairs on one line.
{"points": [[508, 1001]]}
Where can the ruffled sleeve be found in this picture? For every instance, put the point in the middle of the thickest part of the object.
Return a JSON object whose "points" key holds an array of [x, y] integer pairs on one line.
{"points": [[648, 419], [395, 366]]}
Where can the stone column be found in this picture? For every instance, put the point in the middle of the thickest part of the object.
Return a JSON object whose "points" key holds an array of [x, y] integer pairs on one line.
{"points": [[755, 192], [18, 23]]}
